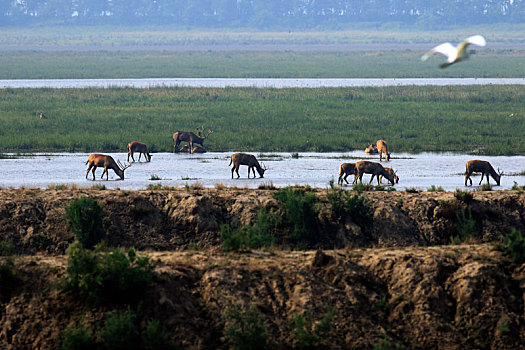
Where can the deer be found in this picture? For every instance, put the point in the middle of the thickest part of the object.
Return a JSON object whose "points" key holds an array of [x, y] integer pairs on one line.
{"points": [[42, 115], [382, 147], [190, 137], [101, 160], [391, 171], [138, 147], [483, 167], [372, 149], [239, 159], [376, 169], [347, 169], [196, 149]]}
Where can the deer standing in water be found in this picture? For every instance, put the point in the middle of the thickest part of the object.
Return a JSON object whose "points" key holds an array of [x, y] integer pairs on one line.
{"points": [[195, 149], [101, 160], [138, 147], [483, 167], [372, 149], [347, 169], [382, 147], [391, 171], [376, 169], [239, 159], [190, 137]]}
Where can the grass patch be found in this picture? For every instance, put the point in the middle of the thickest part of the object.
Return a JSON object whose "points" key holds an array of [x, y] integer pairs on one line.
{"points": [[311, 335], [466, 228], [155, 177], [514, 246], [433, 188], [343, 203], [84, 217]]}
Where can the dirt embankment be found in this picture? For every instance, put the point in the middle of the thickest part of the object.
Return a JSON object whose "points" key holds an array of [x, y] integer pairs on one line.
{"points": [[387, 282], [33, 220]]}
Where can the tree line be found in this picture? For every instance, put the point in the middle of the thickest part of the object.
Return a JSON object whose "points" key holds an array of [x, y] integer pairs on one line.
{"points": [[261, 14]]}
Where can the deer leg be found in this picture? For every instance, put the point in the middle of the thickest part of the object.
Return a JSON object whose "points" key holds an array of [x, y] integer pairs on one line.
{"points": [[233, 168], [87, 172], [93, 171], [253, 169], [482, 174], [128, 155], [344, 178], [249, 168], [237, 171], [371, 178]]}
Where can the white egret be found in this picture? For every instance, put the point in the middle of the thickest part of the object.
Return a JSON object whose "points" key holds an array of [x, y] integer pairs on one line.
{"points": [[455, 54]]}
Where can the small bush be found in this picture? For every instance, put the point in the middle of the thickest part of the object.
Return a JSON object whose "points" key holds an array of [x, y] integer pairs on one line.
{"points": [[514, 246], [411, 190], [245, 329], [85, 216], [466, 228], [155, 177], [361, 187], [255, 236], [120, 332], [516, 187], [298, 212], [433, 188], [8, 276], [6, 248], [343, 203], [309, 335], [77, 338], [155, 187], [100, 187], [107, 277], [155, 337], [485, 187], [463, 196]]}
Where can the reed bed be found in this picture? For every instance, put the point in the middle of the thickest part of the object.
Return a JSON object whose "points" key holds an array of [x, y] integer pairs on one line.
{"points": [[475, 119]]}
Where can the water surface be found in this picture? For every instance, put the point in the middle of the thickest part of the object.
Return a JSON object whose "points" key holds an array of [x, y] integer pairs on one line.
{"points": [[314, 169]]}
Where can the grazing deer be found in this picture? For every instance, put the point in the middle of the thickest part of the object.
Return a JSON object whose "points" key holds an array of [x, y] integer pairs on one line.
{"points": [[382, 147], [483, 167], [347, 169], [190, 137], [101, 160], [391, 171], [372, 149], [376, 169], [138, 147], [42, 115], [196, 149], [239, 159]]}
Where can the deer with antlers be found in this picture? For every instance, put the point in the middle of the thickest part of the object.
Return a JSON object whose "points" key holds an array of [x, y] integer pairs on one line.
{"points": [[372, 149], [190, 137], [347, 169], [238, 159], [391, 171], [483, 167], [140, 148], [376, 169], [195, 149], [101, 160]]}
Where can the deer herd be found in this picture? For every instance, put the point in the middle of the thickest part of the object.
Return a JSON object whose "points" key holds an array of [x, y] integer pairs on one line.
{"points": [[196, 145]]}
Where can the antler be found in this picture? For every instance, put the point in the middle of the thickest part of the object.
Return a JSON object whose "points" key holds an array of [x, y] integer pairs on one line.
{"points": [[500, 172], [122, 167], [264, 166]]}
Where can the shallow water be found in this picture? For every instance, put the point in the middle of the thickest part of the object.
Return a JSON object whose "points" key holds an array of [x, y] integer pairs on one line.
{"points": [[250, 82], [314, 169]]}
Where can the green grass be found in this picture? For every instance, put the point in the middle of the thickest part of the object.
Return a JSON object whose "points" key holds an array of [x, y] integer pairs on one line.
{"points": [[386, 63], [450, 118]]}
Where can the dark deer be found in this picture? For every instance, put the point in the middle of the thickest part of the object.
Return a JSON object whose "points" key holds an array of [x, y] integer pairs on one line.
{"points": [[190, 137], [347, 169], [239, 159], [376, 169], [102, 160], [391, 171], [382, 147], [483, 167], [42, 115], [140, 148], [196, 149]]}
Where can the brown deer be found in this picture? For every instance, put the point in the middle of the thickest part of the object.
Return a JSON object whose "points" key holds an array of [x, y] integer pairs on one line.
{"points": [[140, 148], [483, 167], [372, 149], [382, 147], [239, 159], [101, 160], [376, 169], [42, 115], [190, 137], [196, 149], [391, 171], [347, 169]]}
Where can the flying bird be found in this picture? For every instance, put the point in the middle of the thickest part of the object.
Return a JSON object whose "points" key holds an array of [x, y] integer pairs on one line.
{"points": [[455, 54]]}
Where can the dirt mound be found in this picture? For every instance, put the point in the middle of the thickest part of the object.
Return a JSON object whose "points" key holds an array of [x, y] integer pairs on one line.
{"points": [[33, 220], [431, 298]]}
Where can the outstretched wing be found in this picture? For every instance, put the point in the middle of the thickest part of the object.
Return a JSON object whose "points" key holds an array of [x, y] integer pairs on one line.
{"points": [[476, 40], [446, 49]]}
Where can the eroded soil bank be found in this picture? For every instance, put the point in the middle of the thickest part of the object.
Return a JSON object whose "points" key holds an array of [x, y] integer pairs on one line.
{"points": [[389, 282]]}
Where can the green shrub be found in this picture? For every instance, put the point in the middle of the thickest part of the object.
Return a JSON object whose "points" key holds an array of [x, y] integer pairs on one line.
{"points": [[485, 187], [411, 190], [255, 236], [245, 329], [463, 196], [120, 332], [85, 216], [433, 188], [343, 203], [155, 337], [466, 228], [155, 177], [517, 187], [154, 187], [514, 246], [101, 277], [361, 187], [77, 338], [309, 335], [298, 213], [100, 187]]}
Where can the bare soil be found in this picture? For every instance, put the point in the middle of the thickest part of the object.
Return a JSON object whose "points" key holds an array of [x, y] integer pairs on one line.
{"points": [[395, 282]]}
